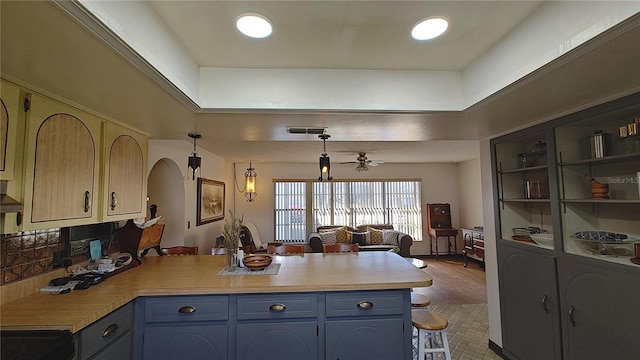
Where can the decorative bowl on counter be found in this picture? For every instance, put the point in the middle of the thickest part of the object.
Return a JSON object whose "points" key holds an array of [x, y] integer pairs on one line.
{"points": [[543, 239], [257, 262]]}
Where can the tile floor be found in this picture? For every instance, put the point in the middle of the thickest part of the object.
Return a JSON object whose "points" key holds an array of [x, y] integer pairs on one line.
{"points": [[468, 331]]}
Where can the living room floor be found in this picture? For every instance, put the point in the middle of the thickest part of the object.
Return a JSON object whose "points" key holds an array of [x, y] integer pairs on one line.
{"points": [[460, 295]]}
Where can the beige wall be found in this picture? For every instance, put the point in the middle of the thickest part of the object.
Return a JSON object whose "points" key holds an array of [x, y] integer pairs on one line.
{"points": [[183, 212], [441, 183]]}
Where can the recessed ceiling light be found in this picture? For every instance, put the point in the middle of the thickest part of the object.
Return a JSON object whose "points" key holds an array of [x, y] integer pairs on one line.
{"points": [[254, 25], [429, 28]]}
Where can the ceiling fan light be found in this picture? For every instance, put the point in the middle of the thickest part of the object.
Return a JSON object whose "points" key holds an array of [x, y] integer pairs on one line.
{"points": [[362, 167], [254, 25], [429, 28]]}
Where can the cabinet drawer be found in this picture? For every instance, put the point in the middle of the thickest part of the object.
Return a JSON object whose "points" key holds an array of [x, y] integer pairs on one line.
{"points": [[186, 308], [105, 331], [280, 306], [119, 350], [364, 303]]}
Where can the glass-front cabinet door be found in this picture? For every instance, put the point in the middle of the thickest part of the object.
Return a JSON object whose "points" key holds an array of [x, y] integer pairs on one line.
{"points": [[525, 208], [598, 160]]}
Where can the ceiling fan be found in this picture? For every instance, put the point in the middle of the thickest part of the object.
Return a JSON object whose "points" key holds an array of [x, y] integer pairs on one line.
{"points": [[363, 162]]}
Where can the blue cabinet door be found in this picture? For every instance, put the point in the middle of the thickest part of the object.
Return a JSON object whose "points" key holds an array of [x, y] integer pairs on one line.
{"points": [[277, 341], [193, 342], [371, 339]]}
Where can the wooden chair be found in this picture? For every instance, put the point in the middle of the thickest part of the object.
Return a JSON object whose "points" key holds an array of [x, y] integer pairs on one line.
{"points": [[340, 248], [180, 250], [285, 249]]}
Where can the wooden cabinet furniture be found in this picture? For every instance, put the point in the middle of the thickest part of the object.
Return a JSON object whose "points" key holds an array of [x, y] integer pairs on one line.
{"points": [[473, 245], [577, 298], [12, 117], [70, 166], [107, 338], [124, 193], [439, 225], [63, 154]]}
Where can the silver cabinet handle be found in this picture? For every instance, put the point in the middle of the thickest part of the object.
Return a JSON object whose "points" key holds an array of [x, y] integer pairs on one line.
{"points": [[187, 310], [114, 200], [110, 330], [572, 316], [277, 307], [544, 304], [365, 305], [87, 201]]}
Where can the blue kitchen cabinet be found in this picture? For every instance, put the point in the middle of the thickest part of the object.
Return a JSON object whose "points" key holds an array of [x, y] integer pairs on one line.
{"points": [[185, 327], [277, 326], [366, 325]]}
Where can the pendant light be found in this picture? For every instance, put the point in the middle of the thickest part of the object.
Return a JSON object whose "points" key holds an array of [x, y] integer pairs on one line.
{"points": [[250, 183], [194, 160], [325, 163]]}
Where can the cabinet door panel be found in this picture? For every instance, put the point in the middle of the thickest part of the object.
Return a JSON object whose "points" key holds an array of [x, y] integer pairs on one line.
{"points": [[64, 170], [529, 304], [600, 311], [365, 339], [126, 176], [282, 341], [185, 342], [10, 117]]}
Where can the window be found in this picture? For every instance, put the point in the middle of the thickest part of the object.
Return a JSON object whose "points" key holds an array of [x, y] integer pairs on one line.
{"points": [[300, 207]]}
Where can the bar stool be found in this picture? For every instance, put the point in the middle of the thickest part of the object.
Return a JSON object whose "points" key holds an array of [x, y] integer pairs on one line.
{"points": [[419, 300], [429, 324]]}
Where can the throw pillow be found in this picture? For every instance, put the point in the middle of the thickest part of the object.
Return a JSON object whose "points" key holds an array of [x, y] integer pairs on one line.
{"points": [[376, 236], [328, 237], [341, 235], [390, 237], [359, 238]]}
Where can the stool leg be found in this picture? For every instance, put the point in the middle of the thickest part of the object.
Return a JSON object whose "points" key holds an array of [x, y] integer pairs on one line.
{"points": [[445, 344], [436, 238], [421, 338]]}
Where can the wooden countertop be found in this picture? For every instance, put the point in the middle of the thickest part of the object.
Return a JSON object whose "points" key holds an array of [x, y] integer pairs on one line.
{"points": [[191, 275]]}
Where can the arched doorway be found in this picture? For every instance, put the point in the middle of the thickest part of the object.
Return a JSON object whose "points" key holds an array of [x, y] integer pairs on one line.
{"points": [[165, 188]]}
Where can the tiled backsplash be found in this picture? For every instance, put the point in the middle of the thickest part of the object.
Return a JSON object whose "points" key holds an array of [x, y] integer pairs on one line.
{"points": [[28, 253]]}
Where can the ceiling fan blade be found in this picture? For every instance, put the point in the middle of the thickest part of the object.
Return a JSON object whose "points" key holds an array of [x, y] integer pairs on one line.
{"points": [[349, 162], [374, 164]]}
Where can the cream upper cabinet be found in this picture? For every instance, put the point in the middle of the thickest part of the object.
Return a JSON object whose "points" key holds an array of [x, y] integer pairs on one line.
{"points": [[11, 122], [124, 181], [62, 165]]}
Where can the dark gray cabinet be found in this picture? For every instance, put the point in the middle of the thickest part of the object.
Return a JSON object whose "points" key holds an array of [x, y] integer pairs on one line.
{"points": [[529, 303], [570, 298], [600, 312]]}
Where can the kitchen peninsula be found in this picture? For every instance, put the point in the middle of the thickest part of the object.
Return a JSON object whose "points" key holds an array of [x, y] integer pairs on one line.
{"points": [[316, 305]]}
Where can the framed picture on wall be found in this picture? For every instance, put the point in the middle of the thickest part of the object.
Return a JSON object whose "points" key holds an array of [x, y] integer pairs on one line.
{"points": [[210, 205]]}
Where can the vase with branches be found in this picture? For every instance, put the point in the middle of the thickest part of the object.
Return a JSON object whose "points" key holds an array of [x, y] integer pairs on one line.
{"points": [[231, 233]]}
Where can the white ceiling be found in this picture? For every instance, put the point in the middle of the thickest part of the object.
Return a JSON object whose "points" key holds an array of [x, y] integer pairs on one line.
{"points": [[374, 35], [340, 34]]}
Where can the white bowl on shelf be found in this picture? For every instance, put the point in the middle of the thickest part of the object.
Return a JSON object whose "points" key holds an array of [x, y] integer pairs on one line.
{"points": [[543, 239]]}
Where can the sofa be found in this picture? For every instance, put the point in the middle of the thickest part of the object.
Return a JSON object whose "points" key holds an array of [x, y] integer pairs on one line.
{"points": [[362, 236]]}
